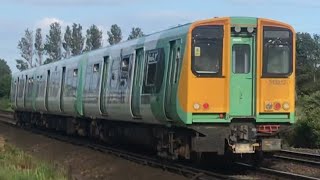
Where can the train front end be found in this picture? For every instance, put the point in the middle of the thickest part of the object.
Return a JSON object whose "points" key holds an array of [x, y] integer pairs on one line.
{"points": [[237, 84]]}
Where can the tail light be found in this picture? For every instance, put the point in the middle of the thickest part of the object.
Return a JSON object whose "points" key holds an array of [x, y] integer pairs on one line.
{"points": [[277, 106], [205, 105]]}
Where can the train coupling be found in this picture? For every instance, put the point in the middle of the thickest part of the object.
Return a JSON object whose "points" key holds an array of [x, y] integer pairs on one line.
{"points": [[244, 148]]}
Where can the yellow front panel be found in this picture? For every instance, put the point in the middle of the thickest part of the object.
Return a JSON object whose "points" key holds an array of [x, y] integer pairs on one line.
{"points": [[273, 90], [211, 90]]}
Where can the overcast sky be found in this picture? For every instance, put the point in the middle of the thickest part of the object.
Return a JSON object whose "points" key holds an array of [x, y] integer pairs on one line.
{"points": [[150, 15]]}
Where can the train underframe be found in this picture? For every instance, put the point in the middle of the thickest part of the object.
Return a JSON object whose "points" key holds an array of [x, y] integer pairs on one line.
{"points": [[241, 137]]}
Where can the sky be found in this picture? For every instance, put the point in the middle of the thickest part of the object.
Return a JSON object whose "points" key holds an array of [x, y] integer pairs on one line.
{"points": [[150, 15]]}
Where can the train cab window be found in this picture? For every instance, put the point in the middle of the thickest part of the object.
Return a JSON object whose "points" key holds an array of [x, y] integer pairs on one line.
{"points": [[277, 52], [207, 48], [241, 58]]}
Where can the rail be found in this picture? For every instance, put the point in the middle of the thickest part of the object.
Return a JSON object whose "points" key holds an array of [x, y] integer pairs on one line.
{"points": [[178, 168], [299, 157]]}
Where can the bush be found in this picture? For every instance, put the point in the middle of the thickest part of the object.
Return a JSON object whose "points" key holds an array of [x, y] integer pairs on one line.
{"points": [[306, 132], [5, 104]]}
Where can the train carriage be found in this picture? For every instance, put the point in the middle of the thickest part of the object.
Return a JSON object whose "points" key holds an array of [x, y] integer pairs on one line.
{"points": [[217, 85]]}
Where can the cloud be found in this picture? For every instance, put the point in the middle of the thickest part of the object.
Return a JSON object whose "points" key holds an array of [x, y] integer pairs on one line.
{"points": [[287, 3], [45, 22], [74, 2]]}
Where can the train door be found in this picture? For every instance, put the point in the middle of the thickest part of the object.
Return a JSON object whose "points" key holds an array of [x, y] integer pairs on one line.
{"points": [[137, 82], [172, 78], [24, 91], [63, 80], [242, 77], [104, 86], [47, 90]]}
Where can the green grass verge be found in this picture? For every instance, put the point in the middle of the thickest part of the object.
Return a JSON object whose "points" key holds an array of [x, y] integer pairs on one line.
{"points": [[5, 104], [17, 165]]}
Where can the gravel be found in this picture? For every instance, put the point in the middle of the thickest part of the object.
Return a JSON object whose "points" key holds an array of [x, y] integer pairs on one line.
{"points": [[82, 163]]}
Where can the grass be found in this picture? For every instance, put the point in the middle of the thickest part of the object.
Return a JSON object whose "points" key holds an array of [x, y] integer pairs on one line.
{"points": [[17, 165], [5, 104]]}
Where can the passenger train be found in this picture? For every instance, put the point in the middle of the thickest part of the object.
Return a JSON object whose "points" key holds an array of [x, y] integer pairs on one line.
{"points": [[220, 85]]}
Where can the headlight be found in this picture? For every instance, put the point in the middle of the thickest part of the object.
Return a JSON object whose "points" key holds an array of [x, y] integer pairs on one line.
{"points": [[268, 105], [286, 106], [196, 106]]}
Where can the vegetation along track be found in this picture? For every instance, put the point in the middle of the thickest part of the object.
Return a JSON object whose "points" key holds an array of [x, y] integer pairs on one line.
{"points": [[185, 170], [194, 173]]}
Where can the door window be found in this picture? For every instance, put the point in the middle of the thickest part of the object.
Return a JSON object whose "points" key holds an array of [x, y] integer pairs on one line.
{"points": [[241, 58]]}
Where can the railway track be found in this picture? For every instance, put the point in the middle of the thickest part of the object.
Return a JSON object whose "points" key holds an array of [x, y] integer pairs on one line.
{"points": [[299, 157], [178, 168], [273, 173]]}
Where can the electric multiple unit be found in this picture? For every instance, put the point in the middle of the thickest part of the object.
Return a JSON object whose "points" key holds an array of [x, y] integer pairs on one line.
{"points": [[217, 85]]}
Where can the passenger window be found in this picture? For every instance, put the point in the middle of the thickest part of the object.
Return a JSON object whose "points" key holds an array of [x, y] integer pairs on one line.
{"points": [[114, 74], [177, 60], [96, 68], [124, 66], [241, 58], [154, 71], [152, 58], [75, 72], [95, 79]]}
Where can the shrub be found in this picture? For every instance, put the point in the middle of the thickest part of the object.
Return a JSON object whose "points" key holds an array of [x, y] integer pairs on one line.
{"points": [[306, 132]]}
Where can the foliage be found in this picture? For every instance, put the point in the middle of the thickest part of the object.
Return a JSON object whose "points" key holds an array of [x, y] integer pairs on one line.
{"points": [[308, 61], [15, 164], [21, 65], [5, 104], [5, 79], [25, 46], [115, 34], [53, 43], [135, 33], [307, 129], [39, 47], [77, 41], [67, 42], [94, 38]]}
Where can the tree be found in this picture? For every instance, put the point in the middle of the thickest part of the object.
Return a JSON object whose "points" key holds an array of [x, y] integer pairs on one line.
{"points": [[39, 47], [26, 47], [21, 65], [77, 41], [53, 43], [308, 60], [115, 35], [5, 79], [94, 38], [316, 56], [135, 33], [67, 42]]}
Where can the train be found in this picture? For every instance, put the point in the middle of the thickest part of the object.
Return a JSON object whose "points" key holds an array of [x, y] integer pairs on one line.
{"points": [[223, 85]]}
